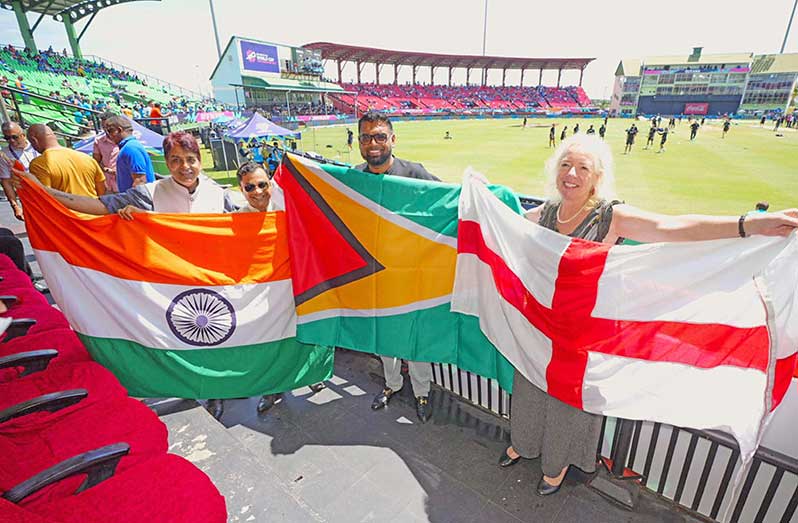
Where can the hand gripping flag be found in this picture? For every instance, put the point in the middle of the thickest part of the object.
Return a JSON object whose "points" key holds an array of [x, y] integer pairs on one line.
{"points": [[184, 305], [699, 334], [373, 261]]}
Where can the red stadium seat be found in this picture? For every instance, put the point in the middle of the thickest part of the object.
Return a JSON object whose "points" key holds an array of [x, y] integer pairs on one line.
{"points": [[164, 489], [93, 377], [47, 317], [33, 443], [64, 340]]}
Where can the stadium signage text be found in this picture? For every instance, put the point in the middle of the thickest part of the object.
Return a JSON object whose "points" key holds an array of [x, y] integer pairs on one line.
{"points": [[259, 57]]}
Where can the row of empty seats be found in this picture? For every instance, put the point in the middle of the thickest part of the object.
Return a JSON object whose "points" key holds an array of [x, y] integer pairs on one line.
{"points": [[73, 446]]}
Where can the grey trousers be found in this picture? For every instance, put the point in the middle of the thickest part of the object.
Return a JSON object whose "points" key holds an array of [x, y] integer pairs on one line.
{"points": [[420, 375]]}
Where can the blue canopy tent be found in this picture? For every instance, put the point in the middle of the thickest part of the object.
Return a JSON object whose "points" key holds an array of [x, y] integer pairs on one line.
{"points": [[259, 127], [150, 139]]}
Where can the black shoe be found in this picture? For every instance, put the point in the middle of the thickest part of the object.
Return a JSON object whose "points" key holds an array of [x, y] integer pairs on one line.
{"points": [[423, 408], [506, 461], [381, 400], [266, 402], [546, 489], [318, 387], [215, 407]]}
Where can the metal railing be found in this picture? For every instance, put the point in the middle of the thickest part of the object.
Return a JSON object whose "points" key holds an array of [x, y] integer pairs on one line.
{"points": [[691, 468], [151, 80], [66, 112]]}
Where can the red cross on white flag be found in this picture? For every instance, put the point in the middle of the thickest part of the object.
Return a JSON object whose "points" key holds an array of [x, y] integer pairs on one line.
{"points": [[698, 334]]}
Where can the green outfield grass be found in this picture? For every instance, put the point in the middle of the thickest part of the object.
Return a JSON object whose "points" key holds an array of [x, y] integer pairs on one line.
{"points": [[709, 175]]}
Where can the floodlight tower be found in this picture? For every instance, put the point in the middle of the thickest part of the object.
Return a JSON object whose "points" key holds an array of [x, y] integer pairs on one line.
{"points": [[789, 24]]}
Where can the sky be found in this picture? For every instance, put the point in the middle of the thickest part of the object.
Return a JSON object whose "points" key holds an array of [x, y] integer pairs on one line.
{"points": [[173, 39]]}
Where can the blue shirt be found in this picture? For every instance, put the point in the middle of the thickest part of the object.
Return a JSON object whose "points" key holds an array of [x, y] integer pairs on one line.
{"points": [[132, 159]]}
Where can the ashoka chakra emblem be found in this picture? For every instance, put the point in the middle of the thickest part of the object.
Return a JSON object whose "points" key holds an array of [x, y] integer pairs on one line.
{"points": [[201, 317]]}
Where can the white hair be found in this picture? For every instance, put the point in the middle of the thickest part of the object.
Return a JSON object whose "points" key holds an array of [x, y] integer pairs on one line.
{"points": [[603, 165]]}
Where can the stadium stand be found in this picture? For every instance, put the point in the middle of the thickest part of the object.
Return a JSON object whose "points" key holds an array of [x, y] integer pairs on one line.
{"points": [[86, 85], [440, 98], [73, 446]]}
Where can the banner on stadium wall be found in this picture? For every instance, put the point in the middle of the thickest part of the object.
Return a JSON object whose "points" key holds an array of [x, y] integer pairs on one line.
{"points": [[259, 57], [696, 108], [207, 116]]}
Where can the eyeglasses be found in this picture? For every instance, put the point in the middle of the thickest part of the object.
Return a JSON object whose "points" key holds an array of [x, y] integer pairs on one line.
{"points": [[380, 138], [251, 186], [10, 137]]}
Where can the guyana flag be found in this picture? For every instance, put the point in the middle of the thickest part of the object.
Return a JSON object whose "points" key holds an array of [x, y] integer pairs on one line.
{"points": [[373, 264], [183, 305]]}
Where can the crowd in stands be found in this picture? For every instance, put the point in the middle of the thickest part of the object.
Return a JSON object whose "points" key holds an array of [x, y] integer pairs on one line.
{"points": [[434, 98], [89, 85]]}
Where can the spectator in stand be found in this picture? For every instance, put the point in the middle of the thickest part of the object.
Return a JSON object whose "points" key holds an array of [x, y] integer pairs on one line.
{"points": [[156, 124], [105, 153], [18, 149], [377, 139], [133, 164], [64, 169]]}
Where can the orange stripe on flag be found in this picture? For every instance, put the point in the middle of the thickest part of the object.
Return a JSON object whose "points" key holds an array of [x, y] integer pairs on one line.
{"points": [[180, 249]]}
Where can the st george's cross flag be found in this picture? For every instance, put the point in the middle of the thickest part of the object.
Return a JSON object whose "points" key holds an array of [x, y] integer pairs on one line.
{"points": [[184, 305], [694, 334]]}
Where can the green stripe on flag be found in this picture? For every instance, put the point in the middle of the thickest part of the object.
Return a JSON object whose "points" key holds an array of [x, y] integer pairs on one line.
{"points": [[430, 204], [434, 335], [230, 372]]}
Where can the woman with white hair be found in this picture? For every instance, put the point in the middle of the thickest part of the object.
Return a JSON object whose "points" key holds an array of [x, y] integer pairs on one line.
{"points": [[581, 203]]}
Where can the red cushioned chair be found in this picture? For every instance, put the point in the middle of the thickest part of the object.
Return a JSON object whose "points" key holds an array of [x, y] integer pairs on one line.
{"points": [[99, 382], [67, 344], [34, 442], [47, 317], [164, 489]]}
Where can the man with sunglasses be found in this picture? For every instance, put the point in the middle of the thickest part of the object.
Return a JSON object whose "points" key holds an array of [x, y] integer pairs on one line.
{"points": [[18, 148], [257, 188], [376, 138]]}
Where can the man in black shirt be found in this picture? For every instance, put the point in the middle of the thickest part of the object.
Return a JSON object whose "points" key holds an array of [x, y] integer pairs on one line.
{"points": [[350, 137], [376, 138], [651, 133], [591, 130], [551, 136], [694, 129], [603, 130], [726, 127], [562, 134], [630, 138]]}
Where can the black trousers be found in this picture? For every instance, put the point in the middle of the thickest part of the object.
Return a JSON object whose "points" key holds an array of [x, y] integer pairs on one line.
{"points": [[12, 247]]}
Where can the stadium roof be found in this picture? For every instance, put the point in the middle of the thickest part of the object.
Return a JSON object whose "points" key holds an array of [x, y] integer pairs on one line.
{"points": [[75, 10], [729, 58], [351, 53], [775, 63]]}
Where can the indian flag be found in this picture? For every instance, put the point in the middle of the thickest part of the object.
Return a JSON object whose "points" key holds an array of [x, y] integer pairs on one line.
{"points": [[194, 306]]}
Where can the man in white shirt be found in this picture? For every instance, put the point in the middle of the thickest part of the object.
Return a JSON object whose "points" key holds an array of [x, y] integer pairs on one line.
{"points": [[18, 149]]}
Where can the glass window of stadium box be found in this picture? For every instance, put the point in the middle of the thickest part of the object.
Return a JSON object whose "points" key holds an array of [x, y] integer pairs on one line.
{"points": [[719, 78], [684, 77], [632, 84], [666, 79], [650, 79]]}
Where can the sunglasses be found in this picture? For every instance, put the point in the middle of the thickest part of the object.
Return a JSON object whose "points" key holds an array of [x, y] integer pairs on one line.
{"points": [[9, 137], [251, 186], [380, 138]]}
